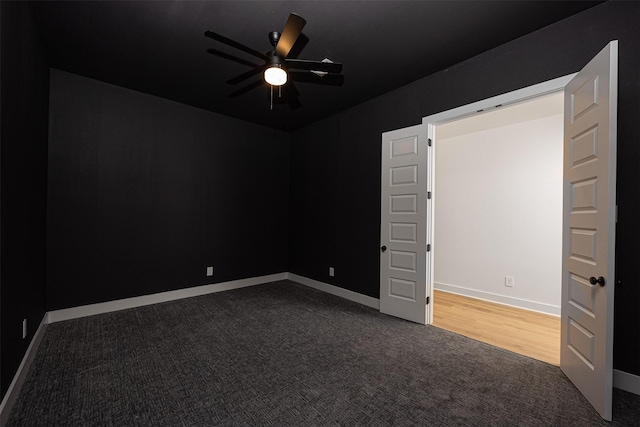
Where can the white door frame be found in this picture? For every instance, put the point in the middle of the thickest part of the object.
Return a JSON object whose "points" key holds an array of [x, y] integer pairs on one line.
{"points": [[517, 96]]}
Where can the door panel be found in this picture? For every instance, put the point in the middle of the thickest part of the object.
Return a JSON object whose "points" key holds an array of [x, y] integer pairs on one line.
{"points": [[403, 233], [589, 229]]}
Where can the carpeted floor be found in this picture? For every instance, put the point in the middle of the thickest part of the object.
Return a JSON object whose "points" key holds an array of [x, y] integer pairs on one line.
{"points": [[283, 354]]}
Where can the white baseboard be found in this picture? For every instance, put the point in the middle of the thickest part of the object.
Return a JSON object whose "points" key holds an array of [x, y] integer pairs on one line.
{"points": [[334, 290], [122, 304], [500, 299], [18, 379], [626, 381]]}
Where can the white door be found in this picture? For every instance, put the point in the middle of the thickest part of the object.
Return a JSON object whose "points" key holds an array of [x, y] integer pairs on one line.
{"points": [[403, 233], [586, 354]]}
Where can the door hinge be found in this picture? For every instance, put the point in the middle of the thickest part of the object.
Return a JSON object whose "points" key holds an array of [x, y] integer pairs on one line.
{"points": [[427, 301], [428, 194], [429, 247], [429, 142]]}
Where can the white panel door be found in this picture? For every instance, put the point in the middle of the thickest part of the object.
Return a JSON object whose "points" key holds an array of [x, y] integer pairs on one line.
{"points": [[403, 233], [586, 354]]}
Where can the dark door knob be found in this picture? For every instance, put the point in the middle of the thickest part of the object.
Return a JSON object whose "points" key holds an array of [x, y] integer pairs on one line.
{"points": [[384, 248], [599, 280]]}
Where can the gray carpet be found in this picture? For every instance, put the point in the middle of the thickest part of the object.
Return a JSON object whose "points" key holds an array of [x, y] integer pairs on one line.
{"points": [[283, 354]]}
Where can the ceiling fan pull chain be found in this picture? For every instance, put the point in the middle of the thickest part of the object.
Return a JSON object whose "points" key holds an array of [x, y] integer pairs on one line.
{"points": [[271, 92]]}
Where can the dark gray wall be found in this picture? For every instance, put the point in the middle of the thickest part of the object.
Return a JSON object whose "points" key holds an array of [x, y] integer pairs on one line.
{"points": [[335, 163], [145, 193], [23, 178]]}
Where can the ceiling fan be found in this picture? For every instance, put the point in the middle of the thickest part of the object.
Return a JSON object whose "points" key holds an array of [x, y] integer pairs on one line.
{"points": [[276, 67]]}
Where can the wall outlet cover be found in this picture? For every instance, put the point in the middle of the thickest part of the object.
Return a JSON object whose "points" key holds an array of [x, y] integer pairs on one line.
{"points": [[209, 271]]}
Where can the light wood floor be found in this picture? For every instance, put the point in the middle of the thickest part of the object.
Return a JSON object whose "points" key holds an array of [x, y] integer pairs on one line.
{"points": [[522, 331]]}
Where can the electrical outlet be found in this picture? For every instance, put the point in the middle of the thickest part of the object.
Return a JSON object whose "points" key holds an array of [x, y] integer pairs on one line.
{"points": [[508, 281], [210, 271], [332, 272], [24, 328]]}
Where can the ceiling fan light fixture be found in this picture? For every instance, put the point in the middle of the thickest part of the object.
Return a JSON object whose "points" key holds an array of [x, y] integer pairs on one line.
{"points": [[275, 75]]}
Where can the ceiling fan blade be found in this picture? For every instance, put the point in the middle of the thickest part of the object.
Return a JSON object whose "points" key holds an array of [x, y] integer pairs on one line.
{"points": [[305, 64], [287, 94], [290, 33], [245, 89], [293, 94], [294, 103], [229, 42], [232, 58], [245, 76], [308, 77]]}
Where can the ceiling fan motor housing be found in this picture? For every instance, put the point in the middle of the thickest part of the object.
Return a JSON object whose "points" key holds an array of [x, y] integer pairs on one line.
{"points": [[274, 60]]}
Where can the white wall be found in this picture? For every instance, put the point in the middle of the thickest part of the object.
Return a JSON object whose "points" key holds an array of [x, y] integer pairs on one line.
{"points": [[498, 205]]}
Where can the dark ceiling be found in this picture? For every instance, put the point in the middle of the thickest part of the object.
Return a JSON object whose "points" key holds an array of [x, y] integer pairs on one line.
{"points": [[159, 47]]}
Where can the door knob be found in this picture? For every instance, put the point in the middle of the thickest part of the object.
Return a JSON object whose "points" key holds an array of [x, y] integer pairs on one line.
{"points": [[384, 248], [599, 280]]}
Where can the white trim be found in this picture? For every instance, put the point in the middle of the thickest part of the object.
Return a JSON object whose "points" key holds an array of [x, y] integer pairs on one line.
{"points": [[499, 299], [513, 97], [122, 304], [18, 379], [334, 290], [626, 381]]}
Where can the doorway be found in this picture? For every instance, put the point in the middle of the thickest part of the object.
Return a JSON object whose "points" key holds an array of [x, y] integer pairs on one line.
{"points": [[498, 213], [588, 230]]}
